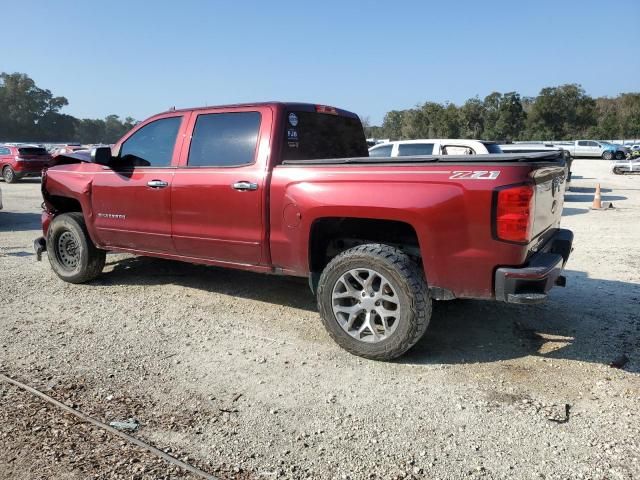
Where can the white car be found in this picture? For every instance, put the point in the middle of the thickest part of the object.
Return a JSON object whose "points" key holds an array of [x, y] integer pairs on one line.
{"points": [[433, 146]]}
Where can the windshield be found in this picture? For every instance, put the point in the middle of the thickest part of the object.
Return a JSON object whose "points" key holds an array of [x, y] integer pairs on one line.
{"points": [[32, 151], [312, 135]]}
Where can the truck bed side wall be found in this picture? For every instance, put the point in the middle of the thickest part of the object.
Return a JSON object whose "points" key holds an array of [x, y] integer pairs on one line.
{"points": [[451, 217]]}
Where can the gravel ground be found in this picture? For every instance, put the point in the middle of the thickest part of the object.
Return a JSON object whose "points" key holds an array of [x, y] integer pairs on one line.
{"points": [[234, 371]]}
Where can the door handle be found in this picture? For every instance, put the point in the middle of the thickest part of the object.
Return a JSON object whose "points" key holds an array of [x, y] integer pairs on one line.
{"points": [[244, 186], [157, 183]]}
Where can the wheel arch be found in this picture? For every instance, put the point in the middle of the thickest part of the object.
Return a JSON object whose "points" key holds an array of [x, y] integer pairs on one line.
{"points": [[330, 236]]}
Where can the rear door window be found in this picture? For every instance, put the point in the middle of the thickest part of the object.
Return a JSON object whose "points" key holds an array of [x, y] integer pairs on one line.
{"points": [[224, 139], [409, 149], [383, 151]]}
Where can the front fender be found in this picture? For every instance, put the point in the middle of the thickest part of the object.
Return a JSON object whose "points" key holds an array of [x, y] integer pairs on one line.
{"points": [[67, 182]]}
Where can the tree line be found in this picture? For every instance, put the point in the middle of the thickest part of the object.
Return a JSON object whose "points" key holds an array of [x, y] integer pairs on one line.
{"points": [[30, 113], [565, 112]]}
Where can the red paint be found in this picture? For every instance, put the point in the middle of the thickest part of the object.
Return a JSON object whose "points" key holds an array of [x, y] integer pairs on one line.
{"points": [[199, 218]]}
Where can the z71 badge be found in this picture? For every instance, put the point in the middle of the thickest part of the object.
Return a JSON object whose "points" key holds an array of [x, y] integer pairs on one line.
{"points": [[476, 174]]}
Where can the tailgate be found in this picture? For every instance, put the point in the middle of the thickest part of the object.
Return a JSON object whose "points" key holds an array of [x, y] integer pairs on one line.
{"points": [[550, 183]]}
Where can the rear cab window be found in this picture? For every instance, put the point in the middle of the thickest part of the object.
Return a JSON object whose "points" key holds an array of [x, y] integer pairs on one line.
{"points": [[310, 135]]}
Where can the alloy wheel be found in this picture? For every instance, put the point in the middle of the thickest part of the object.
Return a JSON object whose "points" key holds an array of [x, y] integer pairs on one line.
{"points": [[366, 305]]}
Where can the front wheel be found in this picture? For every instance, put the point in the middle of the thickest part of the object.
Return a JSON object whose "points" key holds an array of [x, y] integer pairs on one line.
{"points": [[9, 175], [608, 155], [72, 254], [618, 171], [620, 156], [374, 301]]}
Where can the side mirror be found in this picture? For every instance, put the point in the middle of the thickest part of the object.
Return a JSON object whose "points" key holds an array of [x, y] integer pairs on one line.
{"points": [[101, 156]]}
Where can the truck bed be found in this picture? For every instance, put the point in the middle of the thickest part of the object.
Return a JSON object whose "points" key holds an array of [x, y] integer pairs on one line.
{"points": [[500, 158]]}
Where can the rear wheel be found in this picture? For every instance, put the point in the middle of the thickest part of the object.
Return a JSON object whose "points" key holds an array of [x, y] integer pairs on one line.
{"points": [[72, 254], [9, 175], [374, 301], [608, 155], [618, 171]]}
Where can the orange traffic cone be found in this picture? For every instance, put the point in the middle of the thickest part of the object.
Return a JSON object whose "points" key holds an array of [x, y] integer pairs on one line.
{"points": [[597, 199]]}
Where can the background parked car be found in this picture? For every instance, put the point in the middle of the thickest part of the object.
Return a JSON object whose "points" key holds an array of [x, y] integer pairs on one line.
{"points": [[634, 151], [433, 146], [592, 149], [18, 161]]}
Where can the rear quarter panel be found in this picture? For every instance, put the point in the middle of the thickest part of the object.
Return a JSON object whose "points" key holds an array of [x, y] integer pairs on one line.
{"points": [[451, 216]]}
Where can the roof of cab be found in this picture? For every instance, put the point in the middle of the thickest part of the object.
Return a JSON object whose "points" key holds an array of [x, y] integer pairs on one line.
{"points": [[309, 107]]}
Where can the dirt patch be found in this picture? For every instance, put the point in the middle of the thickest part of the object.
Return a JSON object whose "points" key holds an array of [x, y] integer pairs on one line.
{"points": [[235, 371]]}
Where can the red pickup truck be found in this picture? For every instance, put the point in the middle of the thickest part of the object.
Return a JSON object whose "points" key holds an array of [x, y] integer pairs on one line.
{"points": [[289, 189]]}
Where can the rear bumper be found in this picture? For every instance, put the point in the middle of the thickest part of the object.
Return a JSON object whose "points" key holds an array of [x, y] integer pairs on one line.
{"points": [[530, 284], [27, 169]]}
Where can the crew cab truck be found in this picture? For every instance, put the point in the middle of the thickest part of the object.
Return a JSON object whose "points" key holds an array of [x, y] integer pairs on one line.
{"points": [[288, 189]]}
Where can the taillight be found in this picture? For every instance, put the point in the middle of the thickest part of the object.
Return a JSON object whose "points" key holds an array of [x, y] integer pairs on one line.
{"points": [[514, 213], [326, 109]]}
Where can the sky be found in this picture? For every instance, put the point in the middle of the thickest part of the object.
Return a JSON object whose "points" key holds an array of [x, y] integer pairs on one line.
{"points": [[136, 58]]}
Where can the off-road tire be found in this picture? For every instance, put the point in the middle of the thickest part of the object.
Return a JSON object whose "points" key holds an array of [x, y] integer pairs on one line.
{"points": [[90, 259], [608, 155], [9, 175], [408, 280]]}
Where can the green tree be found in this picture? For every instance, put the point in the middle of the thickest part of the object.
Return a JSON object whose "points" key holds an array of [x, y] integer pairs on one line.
{"points": [[57, 127], [91, 131], [629, 115], [472, 118], [392, 124], [23, 104], [511, 117], [504, 116], [559, 113], [449, 125]]}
